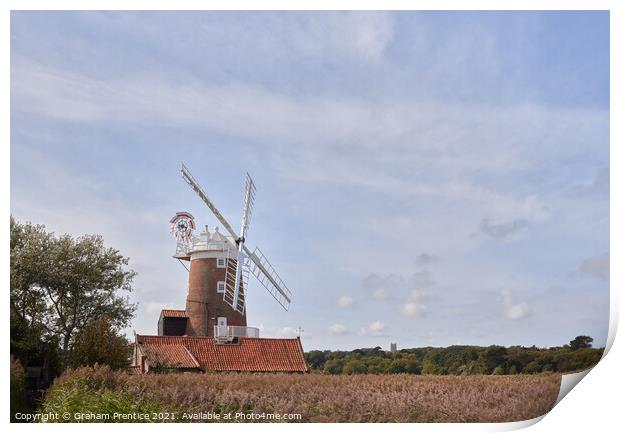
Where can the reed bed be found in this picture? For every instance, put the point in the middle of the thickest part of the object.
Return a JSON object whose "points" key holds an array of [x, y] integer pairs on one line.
{"points": [[318, 397]]}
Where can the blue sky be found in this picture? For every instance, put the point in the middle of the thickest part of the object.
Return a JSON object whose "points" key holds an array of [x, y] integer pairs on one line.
{"points": [[429, 178]]}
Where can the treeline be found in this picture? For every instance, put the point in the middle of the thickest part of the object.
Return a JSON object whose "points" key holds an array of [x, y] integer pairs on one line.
{"points": [[578, 355]]}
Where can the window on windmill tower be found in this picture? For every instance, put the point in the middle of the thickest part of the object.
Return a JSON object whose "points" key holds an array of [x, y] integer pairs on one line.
{"points": [[221, 263], [221, 287]]}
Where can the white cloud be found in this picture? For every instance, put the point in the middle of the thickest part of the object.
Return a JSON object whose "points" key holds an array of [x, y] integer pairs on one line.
{"points": [[413, 309], [337, 329], [514, 311], [367, 34], [415, 305], [517, 311], [155, 307], [375, 329], [343, 35], [287, 332], [344, 301]]}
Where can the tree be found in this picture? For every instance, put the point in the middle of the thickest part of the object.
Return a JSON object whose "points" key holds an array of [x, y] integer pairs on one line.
{"points": [[413, 366], [428, 367], [100, 343], [492, 357], [398, 366], [316, 359], [30, 342], [354, 366], [499, 370], [581, 342], [333, 366], [60, 283], [533, 367]]}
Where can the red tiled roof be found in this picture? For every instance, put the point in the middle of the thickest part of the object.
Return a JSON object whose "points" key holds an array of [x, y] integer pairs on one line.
{"points": [[249, 354], [170, 355], [174, 313]]}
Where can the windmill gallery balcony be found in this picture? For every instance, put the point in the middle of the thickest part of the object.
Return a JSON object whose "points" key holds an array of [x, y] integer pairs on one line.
{"points": [[227, 333]]}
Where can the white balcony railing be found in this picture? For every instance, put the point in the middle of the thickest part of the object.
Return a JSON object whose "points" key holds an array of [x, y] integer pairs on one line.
{"points": [[230, 332]]}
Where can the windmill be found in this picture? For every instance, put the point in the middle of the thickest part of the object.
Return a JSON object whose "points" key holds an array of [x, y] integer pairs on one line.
{"points": [[247, 261]]}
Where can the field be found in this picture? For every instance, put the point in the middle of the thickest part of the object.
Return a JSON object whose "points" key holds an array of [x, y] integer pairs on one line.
{"points": [[313, 397]]}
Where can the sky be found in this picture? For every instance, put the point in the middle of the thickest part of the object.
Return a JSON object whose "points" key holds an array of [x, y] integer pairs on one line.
{"points": [[424, 178]]}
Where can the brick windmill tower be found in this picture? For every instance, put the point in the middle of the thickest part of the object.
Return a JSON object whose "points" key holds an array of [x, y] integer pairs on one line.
{"points": [[210, 257], [219, 268]]}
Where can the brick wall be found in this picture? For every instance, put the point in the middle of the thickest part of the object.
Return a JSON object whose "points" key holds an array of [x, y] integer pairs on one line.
{"points": [[204, 304]]}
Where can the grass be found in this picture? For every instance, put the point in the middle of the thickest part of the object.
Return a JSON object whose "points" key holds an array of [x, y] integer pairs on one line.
{"points": [[316, 397]]}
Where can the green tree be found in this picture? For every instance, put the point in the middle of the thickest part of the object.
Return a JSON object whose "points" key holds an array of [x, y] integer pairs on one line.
{"points": [[333, 366], [533, 367], [316, 359], [100, 343], [60, 283], [413, 366], [581, 342], [354, 366], [492, 357], [499, 370], [428, 367], [398, 366]]}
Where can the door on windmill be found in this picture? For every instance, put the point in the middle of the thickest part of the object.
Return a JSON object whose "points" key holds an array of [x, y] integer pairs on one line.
{"points": [[221, 330]]}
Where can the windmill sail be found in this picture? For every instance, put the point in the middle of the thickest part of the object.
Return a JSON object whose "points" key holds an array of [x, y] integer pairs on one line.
{"points": [[268, 277], [187, 176], [229, 293], [248, 204]]}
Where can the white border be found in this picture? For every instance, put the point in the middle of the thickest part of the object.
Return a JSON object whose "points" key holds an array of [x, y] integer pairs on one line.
{"points": [[592, 406]]}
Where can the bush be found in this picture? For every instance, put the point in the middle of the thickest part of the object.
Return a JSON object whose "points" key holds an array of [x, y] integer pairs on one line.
{"points": [[96, 390], [18, 388]]}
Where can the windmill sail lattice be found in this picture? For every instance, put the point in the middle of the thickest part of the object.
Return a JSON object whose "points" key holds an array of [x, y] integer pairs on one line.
{"points": [[269, 278], [248, 204], [229, 293]]}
